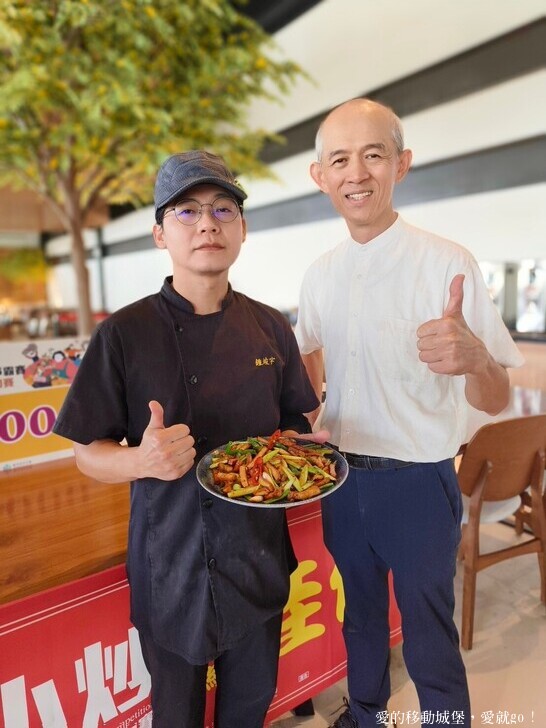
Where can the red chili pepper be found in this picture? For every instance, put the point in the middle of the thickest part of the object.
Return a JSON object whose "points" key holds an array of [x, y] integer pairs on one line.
{"points": [[256, 472], [273, 439]]}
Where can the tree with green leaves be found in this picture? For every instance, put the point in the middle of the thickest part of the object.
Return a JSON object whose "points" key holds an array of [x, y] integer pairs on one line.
{"points": [[94, 94]]}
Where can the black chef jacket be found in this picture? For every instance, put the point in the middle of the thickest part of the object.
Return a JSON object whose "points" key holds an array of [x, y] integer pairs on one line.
{"points": [[203, 572]]}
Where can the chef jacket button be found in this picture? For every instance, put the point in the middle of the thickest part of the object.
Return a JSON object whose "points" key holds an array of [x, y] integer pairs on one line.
{"points": [[194, 379], [207, 503], [201, 440], [179, 328], [212, 563]]}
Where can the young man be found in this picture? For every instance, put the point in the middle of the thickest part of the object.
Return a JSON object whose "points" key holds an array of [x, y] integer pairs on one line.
{"points": [[176, 374], [409, 336]]}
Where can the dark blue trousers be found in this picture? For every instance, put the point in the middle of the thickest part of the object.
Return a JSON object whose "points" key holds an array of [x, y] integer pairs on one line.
{"points": [[406, 519], [246, 678]]}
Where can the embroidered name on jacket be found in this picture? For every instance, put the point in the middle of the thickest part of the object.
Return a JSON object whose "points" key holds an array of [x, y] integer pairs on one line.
{"points": [[267, 361]]}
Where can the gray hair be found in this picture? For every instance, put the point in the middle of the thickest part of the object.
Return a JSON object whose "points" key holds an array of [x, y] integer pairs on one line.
{"points": [[397, 131]]}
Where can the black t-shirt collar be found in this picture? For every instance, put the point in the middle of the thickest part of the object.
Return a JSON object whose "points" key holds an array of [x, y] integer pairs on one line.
{"points": [[181, 303]]}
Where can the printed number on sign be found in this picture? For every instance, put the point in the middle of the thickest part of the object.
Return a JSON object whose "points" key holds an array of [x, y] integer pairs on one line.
{"points": [[14, 423]]}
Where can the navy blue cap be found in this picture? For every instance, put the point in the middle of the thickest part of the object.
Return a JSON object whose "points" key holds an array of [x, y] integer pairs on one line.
{"points": [[187, 169]]}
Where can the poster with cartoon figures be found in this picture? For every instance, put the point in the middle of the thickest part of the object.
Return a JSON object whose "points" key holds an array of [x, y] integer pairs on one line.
{"points": [[34, 379]]}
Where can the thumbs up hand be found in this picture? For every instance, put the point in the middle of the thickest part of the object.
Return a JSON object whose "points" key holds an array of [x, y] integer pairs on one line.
{"points": [[156, 419], [447, 345], [455, 304], [166, 453]]}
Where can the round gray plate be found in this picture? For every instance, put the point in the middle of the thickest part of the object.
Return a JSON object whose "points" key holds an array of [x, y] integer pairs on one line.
{"points": [[204, 476]]}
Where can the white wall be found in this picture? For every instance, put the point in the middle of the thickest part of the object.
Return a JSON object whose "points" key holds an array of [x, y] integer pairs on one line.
{"points": [[272, 263], [134, 275], [505, 225], [61, 286]]}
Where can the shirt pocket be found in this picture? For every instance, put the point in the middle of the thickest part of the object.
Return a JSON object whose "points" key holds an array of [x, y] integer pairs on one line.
{"points": [[399, 355]]}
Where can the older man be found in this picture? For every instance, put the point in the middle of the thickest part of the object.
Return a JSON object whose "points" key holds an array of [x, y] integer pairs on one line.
{"points": [[409, 337]]}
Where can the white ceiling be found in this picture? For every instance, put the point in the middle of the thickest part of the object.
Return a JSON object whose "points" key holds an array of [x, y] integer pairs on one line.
{"points": [[350, 47]]}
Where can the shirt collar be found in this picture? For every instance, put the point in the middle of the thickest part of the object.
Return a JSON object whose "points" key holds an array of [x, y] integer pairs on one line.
{"points": [[181, 303], [387, 236]]}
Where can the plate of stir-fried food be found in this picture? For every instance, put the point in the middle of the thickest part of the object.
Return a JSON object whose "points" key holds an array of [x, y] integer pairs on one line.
{"points": [[272, 472]]}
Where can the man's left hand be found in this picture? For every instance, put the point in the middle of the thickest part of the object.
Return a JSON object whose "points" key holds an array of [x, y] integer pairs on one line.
{"points": [[447, 345], [320, 436]]}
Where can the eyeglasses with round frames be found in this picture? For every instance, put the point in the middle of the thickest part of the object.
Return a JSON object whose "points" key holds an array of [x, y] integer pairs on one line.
{"points": [[189, 212]]}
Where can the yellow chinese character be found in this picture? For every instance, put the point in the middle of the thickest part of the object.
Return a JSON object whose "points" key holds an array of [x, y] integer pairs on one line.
{"points": [[259, 362], [336, 585], [295, 630], [272, 360]]}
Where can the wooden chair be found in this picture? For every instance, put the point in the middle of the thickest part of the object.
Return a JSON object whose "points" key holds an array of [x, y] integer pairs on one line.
{"points": [[503, 459], [525, 509]]}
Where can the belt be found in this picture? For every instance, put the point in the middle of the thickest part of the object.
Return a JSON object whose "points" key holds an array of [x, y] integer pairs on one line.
{"points": [[372, 462]]}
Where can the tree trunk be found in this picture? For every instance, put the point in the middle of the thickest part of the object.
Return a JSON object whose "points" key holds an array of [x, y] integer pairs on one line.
{"points": [[85, 318]]}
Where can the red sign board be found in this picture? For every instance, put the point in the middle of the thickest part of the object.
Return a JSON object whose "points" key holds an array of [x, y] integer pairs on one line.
{"points": [[70, 657]]}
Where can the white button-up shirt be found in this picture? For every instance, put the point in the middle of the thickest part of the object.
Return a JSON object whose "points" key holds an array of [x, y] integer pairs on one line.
{"points": [[363, 303]]}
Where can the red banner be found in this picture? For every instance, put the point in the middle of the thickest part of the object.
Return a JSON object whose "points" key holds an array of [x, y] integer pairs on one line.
{"points": [[70, 657]]}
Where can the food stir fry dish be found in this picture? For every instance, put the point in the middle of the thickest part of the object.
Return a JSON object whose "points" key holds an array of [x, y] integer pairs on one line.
{"points": [[269, 470]]}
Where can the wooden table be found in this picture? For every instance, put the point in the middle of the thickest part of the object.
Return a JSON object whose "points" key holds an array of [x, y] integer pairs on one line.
{"points": [[57, 525]]}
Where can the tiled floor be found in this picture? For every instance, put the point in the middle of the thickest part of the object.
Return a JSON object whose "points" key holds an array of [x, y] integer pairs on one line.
{"points": [[507, 665]]}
